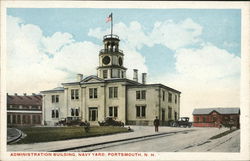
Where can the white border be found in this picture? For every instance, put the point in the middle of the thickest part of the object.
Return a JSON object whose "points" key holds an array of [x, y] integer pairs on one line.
{"points": [[245, 70]]}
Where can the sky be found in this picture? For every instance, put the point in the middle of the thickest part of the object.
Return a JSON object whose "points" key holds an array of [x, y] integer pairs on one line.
{"points": [[196, 51]]}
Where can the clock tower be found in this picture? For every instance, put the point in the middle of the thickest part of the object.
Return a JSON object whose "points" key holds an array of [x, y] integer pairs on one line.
{"points": [[111, 59]]}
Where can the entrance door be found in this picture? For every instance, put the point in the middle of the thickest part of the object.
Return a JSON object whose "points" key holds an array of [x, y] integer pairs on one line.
{"points": [[93, 114]]}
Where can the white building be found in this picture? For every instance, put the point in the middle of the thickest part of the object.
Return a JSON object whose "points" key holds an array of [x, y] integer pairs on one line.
{"points": [[110, 93]]}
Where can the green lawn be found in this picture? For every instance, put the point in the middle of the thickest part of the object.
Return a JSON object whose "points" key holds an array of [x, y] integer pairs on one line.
{"points": [[45, 134]]}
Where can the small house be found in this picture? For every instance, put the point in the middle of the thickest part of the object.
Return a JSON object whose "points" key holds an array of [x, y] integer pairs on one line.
{"points": [[215, 117]]}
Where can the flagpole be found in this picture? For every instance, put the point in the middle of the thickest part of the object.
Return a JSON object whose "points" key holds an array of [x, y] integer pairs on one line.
{"points": [[111, 24]]}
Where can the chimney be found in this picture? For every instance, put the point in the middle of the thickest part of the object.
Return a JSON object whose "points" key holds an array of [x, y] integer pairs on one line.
{"points": [[16, 94], [144, 75], [24, 94], [78, 77], [135, 78]]}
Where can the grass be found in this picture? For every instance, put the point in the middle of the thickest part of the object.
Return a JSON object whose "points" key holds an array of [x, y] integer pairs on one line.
{"points": [[46, 134], [223, 134]]}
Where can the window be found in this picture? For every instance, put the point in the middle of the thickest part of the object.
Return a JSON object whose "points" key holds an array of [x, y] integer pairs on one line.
{"points": [[77, 112], [24, 119], [175, 99], [122, 74], [141, 94], [8, 119], [163, 114], [113, 111], [226, 118], [55, 98], [28, 119], [15, 107], [38, 119], [74, 94], [169, 112], [175, 115], [163, 95], [35, 107], [138, 94], [141, 111], [169, 97], [74, 111], [119, 73], [105, 74], [55, 114], [214, 119], [204, 119], [14, 119], [18, 119], [93, 114], [25, 107], [92, 92], [34, 119], [197, 119], [113, 92]]}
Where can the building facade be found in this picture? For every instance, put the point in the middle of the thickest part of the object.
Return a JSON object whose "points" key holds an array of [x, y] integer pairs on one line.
{"points": [[214, 117], [25, 110], [111, 94]]}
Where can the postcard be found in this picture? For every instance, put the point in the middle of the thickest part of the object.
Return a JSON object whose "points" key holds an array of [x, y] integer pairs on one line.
{"points": [[123, 80]]}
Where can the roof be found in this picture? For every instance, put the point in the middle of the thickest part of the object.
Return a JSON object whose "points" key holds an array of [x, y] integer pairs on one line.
{"points": [[24, 100], [93, 79], [157, 85], [57, 89], [220, 110]]}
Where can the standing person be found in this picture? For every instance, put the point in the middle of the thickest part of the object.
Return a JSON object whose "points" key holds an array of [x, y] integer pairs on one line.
{"points": [[156, 123]]}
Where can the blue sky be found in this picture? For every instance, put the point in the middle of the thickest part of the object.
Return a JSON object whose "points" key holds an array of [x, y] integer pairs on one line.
{"points": [[218, 25], [182, 48]]}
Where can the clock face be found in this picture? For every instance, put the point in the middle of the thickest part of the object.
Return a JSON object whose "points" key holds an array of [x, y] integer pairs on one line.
{"points": [[120, 61], [106, 60]]}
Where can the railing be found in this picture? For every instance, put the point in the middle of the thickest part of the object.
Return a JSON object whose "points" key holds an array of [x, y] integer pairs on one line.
{"points": [[110, 36], [110, 50]]}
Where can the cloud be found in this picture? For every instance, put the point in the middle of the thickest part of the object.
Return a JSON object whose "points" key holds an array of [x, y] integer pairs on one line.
{"points": [[206, 76], [56, 41], [207, 63], [36, 62], [173, 35], [132, 35], [176, 35]]}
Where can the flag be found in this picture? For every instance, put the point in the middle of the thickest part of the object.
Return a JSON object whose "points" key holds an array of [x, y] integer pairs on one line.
{"points": [[109, 18]]}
